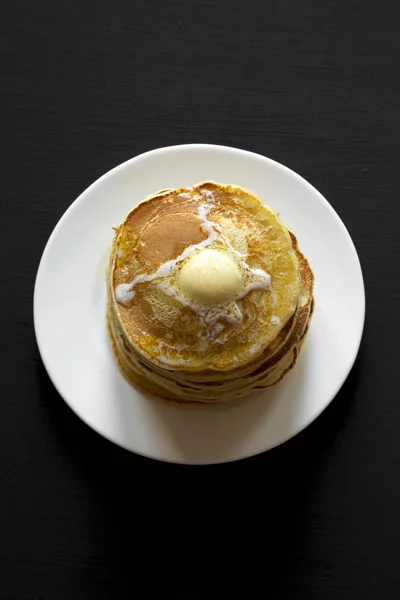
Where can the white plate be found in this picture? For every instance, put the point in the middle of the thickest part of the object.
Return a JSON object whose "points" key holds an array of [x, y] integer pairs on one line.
{"points": [[69, 312]]}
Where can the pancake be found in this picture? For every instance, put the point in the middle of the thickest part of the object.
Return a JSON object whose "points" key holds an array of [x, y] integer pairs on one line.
{"points": [[209, 296]]}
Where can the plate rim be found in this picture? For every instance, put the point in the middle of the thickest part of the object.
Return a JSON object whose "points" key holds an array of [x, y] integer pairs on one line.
{"points": [[122, 166]]}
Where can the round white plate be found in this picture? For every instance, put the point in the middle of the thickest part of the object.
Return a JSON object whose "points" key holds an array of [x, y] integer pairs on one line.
{"points": [[69, 312]]}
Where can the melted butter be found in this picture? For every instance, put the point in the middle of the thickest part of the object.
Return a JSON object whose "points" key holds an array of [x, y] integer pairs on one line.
{"points": [[210, 277]]}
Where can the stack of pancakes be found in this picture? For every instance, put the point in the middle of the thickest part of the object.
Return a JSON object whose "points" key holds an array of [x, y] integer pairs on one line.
{"points": [[209, 296]]}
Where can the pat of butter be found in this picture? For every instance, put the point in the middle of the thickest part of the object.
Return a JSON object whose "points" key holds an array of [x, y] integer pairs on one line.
{"points": [[211, 276]]}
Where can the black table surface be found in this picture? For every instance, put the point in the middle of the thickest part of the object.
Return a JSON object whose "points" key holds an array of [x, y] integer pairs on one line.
{"points": [[87, 85]]}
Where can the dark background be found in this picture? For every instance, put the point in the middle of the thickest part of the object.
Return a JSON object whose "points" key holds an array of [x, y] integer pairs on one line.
{"points": [[87, 85]]}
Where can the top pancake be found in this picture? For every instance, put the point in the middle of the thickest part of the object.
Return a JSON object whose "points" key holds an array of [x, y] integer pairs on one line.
{"points": [[156, 240]]}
